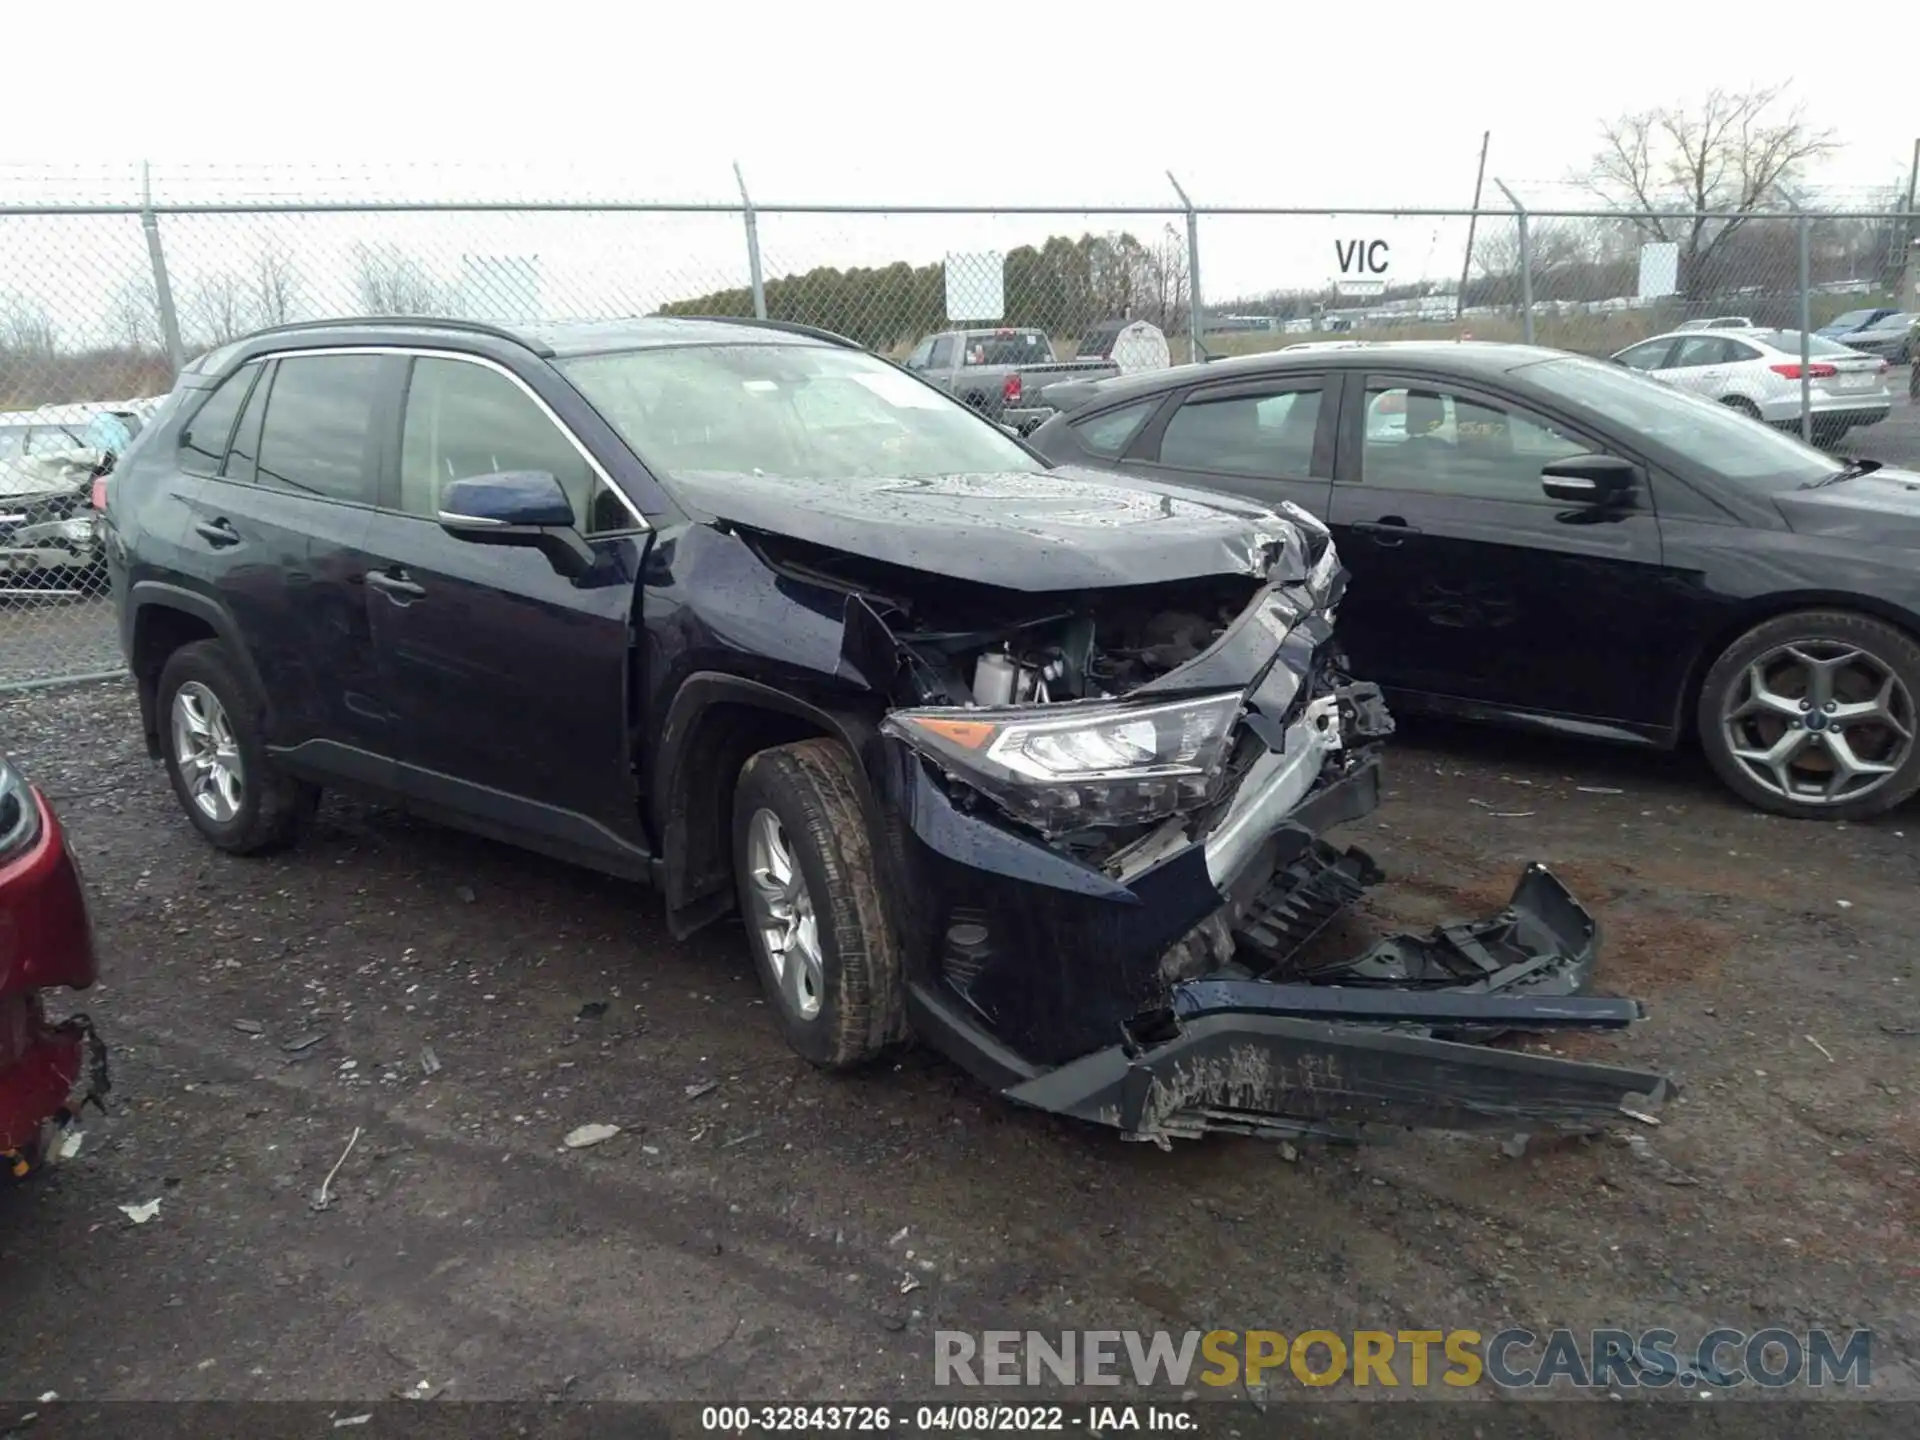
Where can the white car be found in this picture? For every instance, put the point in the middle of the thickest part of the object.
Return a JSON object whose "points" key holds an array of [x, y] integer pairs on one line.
{"points": [[1757, 372]]}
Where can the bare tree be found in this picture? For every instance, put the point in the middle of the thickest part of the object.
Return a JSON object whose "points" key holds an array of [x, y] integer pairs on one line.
{"points": [[218, 310], [1560, 252], [275, 283], [1730, 155], [133, 315], [26, 330], [390, 282], [1164, 286]]}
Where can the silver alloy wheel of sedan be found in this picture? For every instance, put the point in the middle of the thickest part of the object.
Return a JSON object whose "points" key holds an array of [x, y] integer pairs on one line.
{"points": [[207, 753], [784, 915], [1819, 721]]}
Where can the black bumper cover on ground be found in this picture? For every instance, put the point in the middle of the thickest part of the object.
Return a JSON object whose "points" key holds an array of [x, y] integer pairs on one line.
{"points": [[1371, 1040]]}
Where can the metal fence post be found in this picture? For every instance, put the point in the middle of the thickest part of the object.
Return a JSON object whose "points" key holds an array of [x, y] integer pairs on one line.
{"points": [[162, 287], [1526, 262], [1803, 225], [1196, 315], [753, 245]]}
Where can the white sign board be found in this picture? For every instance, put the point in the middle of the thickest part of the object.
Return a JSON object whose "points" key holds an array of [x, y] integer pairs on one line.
{"points": [[1659, 270], [1361, 263], [976, 286]]}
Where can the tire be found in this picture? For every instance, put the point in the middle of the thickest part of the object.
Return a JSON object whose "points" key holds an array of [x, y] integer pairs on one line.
{"points": [[264, 809], [1745, 406], [1784, 653], [851, 1009]]}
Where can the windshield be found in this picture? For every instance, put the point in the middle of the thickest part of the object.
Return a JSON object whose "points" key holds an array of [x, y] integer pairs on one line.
{"points": [[790, 411], [1007, 347], [1704, 433], [1852, 318]]}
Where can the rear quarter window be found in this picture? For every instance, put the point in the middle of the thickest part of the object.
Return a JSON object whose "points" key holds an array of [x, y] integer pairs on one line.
{"points": [[1109, 433]]}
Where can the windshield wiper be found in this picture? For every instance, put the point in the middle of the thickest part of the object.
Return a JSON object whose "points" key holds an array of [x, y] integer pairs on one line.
{"points": [[1850, 472]]}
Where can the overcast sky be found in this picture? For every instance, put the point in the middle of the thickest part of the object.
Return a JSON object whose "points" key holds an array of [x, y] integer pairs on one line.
{"points": [[1376, 104]]}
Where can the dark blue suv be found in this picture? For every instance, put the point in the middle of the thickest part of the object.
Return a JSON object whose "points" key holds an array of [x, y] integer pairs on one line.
{"points": [[1026, 761]]}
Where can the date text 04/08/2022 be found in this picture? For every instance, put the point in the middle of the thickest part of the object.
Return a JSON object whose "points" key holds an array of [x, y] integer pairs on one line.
{"points": [[965, 1419]]}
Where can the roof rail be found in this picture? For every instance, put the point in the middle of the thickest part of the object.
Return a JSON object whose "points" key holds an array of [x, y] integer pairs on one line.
{"points": [[427, 322], [792, 327]]}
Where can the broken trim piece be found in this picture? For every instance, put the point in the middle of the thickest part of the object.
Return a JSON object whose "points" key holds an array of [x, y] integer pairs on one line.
{"points": [[1232, 1070]]}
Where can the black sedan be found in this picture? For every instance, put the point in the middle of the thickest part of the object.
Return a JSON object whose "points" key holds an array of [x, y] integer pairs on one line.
{"points": [[1539, 538]]}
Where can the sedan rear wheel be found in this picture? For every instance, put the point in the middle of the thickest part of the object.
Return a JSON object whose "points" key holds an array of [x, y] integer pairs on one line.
{"points": [[1743, 405], [1814, 716]]}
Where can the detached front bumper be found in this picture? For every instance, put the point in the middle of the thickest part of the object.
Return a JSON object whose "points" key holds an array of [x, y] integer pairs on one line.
{"points": [[1382, 1038]]}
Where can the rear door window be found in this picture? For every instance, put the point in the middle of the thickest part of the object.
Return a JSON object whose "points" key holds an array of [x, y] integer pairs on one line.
{"points": [[318, 437], [1245, 434], [1109, 434]]}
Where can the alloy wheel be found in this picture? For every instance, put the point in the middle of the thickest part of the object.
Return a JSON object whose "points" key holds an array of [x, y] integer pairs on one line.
{"points": [[783, 914], [207, 753], [1819, 722]]}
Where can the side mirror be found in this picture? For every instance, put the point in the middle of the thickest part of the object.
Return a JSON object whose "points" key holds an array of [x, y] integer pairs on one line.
{"points": [[1590, 479], [517, 507]]}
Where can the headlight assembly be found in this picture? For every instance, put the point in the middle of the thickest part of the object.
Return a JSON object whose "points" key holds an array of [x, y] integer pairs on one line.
{"points": [[19, 813], [1063, 767]]}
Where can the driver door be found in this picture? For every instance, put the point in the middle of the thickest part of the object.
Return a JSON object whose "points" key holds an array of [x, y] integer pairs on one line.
{"points": [[1467, 581], [510, 681]]}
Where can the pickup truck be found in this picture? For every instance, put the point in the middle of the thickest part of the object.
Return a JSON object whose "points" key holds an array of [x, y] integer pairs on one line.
{"points": [[1001, 372]]}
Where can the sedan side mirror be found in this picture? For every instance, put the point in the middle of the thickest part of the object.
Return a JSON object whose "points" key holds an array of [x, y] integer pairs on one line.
{"points": [[517, 507], [1590, 479]]}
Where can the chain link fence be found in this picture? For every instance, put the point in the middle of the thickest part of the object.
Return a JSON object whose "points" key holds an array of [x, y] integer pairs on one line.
{"points": [[101, 301]]}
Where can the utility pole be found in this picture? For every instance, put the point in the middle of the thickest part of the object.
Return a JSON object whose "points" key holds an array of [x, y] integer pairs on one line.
{"points": [[1466, 264]]}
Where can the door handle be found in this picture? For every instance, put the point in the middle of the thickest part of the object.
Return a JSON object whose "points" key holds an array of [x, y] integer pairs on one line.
{"points": [[395, 585], [1389, 531], [218, 532]]}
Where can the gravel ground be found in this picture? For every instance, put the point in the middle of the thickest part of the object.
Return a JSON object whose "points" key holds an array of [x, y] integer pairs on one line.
{"points": [[747, 1239]]}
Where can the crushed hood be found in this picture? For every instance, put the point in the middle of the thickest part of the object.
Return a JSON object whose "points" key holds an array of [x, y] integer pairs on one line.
{"points": [[52, 474], [1051, 530]]}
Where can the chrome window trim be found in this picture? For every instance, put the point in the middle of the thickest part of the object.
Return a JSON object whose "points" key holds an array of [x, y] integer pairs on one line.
{"points": [[486, 362]]}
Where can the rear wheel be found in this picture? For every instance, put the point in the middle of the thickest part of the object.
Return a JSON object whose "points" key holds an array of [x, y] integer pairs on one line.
{"points": [[1743, 405], [803, 861], [1812, 715], [214, 743]]}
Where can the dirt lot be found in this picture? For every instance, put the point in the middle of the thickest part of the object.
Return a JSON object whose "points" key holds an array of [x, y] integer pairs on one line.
{"points": [[742, 1241]]}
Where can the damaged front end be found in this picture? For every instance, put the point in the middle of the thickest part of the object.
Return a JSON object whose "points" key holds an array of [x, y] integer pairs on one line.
{"points": [[1109, 867]]}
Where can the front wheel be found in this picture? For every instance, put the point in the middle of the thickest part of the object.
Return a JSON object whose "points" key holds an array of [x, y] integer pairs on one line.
{"points": [[1812, 716], [809, 893]]}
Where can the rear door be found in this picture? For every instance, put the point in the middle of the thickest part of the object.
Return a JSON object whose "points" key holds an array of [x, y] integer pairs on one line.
{"points": [[509, 680], [1467, 581], [1269, 440], [287, 450]]}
